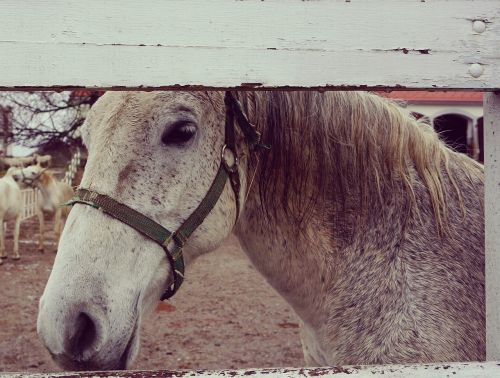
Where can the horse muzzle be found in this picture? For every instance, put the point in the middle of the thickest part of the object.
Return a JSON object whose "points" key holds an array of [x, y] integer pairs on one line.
{"points": [[80, 337]]}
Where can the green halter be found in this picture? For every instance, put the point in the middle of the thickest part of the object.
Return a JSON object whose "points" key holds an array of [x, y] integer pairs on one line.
{"points": [[159, 234]]}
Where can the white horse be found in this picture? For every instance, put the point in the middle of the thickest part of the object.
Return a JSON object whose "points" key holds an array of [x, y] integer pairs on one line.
{"points": [[52, 194], [10, 208], [359, 216]]}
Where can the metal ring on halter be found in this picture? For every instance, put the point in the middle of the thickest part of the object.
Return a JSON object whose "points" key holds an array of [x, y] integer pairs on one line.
{"points": [[230, 168]]}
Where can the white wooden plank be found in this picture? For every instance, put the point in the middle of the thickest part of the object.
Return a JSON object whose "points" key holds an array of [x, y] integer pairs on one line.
{"points": [[456, 370], [226, 43], [492, 218]]}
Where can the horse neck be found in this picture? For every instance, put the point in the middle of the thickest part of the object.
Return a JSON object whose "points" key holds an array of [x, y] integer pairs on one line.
{"points": [[296, 261], [305, 262], [8, 179]]}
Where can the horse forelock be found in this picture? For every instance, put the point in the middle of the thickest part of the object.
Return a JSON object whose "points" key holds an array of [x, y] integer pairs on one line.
{"points": [[345, 148]]}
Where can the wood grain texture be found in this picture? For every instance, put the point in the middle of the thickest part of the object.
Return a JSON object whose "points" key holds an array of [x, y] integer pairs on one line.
{"points": [[240, 44], [492, 219]]}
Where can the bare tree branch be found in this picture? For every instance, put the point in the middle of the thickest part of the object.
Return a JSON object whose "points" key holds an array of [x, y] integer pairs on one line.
{"points": [[45, 118]]}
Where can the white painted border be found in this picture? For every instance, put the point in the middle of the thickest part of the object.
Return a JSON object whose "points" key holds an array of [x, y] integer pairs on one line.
{"points": [[227, 43]]}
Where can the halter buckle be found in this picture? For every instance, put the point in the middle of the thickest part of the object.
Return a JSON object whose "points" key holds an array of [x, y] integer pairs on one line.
{"points": [[228, 165]]}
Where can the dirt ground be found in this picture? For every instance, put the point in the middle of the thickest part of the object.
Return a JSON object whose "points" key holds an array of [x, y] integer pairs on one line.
{"points": [[225, 315]]}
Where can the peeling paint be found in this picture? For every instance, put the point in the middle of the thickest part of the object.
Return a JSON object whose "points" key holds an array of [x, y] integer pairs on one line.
{"points": [[459, 370], [242, 86]]}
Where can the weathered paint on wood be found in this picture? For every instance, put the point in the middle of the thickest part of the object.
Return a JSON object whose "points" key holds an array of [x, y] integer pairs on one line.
{"points": [[492, 219], [227, 43], [456, 370]]}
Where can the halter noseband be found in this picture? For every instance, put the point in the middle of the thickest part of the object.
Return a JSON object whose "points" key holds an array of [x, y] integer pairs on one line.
{"points": [[176, 240]]}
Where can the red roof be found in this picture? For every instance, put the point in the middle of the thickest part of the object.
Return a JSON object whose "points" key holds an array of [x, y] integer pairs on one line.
{"points": [[85, 93], [435, 97]]}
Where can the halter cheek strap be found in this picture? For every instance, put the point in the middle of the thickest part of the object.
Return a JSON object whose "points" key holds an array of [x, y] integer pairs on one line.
{"points": [[228, 170], [152, 229]]}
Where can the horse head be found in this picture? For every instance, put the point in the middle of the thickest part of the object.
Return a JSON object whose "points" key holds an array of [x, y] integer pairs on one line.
{"points": [[158, 154]]}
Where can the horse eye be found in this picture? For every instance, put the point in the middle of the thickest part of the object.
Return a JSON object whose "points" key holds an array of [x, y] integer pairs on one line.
{"points": [[180, 133]]}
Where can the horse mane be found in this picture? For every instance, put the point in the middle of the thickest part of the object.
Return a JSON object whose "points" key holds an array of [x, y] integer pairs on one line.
{"points": [[333, 146]]}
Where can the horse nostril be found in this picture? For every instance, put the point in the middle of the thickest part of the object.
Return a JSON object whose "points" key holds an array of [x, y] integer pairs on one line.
{"points": [[84, 336]]}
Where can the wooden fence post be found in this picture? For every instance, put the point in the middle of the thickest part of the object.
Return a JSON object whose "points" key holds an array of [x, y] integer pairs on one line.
{"points": [[492, 219]]}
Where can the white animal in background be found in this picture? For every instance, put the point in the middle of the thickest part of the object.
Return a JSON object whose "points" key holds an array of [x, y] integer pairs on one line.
{"points": [[52, 194], [10, 207]]}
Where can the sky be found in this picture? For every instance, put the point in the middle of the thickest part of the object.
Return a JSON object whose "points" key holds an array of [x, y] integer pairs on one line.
{"points": [[7, 98], [21, 150]]}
